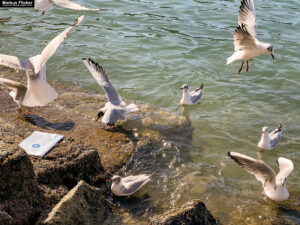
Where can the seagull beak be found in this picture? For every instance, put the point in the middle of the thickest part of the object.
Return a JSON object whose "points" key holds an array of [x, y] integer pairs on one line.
{"points": [[97, 119], [272, 56], [180, 88], [110, 180]]}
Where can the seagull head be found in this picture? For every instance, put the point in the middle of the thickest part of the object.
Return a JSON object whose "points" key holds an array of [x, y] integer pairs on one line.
{"points": [[116, 179], [99, 115], [270, 51], [264, 130], [184, 87]]}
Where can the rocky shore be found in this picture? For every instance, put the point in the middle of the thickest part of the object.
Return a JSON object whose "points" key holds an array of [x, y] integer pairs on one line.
{"points": [[68, 185]]}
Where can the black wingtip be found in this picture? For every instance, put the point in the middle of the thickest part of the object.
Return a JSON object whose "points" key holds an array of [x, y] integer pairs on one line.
{"points": [[280, 127], [201, 86], [83, 59], [229, 154]]}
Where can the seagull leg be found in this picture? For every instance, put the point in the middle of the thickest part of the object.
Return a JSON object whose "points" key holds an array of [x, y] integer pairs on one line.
{"points": [[247, 69], [43, 12], [241, 67]]}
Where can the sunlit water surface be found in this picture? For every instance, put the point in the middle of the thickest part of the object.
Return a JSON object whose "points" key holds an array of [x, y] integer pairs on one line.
{"points": [[150, 48]]}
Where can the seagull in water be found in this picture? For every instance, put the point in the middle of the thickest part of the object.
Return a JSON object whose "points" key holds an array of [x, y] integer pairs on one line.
{"points": [[115, 109], [128, 185], [245, 37], [190, 98], [38, 92], [45, 5], [274, 186], [269, 141]]}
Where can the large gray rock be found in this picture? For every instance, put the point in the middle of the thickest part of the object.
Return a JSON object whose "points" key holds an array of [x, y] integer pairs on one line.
{"points": [[193, 212], [84, 204]]}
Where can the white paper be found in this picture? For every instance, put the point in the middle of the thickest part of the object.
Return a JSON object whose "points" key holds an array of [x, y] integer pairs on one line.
{"points": [[40, 143]]}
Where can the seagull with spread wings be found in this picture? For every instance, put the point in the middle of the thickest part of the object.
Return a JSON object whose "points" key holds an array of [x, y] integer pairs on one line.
{"points": [[37, 92], [115, 109], [128, 185], [245, 37], [274, 185], [45, 5]]}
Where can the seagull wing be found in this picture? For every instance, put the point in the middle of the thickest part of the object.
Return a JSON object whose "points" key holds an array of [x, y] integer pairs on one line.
{"points": [[196, 94], [15, 62], [71, 5], [258, 168], [103, 80], [247, 16], [131, 185], [40, 60], [243, 39], [285, 168], [13, 85]]}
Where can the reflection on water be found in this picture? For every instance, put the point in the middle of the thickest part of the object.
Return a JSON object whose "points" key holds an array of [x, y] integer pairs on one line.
{"points": [[149, 49]]}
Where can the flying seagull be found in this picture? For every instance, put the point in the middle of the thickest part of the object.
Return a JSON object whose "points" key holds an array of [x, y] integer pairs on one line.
{"points": [[45, 5], [274, 186], [115, 109], [190, 98], [245, 37], [128, 185], [38, 92], [269, 141]]}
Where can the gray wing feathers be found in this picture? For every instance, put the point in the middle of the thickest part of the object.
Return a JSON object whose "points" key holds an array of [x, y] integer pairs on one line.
{"points": [[261, 170], [15, 62], [242, 38], [131, 187], [247, 16], [112, 116], [103, 80], [275, 140], [196, 96]]}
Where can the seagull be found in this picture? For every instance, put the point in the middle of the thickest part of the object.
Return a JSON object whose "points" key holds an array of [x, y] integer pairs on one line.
{"points": [[128, 185], [115, 109], [45, 5], [37, 92], [245, 37], [190, 98], [274, 185], [269, 141]]}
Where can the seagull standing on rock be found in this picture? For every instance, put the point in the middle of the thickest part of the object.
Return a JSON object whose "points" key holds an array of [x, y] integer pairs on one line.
{"points": [[190, 98], [38, 92], [45, 5], [269, 141], [245, 37], [128, 185], [115, 109], [274, 185]]}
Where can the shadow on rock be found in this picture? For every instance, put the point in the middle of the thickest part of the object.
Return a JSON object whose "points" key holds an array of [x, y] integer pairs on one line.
{"points": [[41, 122]]}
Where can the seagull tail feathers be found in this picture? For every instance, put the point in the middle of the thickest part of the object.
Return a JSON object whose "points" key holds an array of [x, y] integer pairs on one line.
{"points": [[132, 108]]}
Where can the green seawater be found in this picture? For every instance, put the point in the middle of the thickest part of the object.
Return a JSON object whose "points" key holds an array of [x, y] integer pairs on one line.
{"points": [[150, 48]]}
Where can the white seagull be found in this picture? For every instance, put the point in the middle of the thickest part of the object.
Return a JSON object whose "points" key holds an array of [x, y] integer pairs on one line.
{"points": [[269, 141], [190, 98], [274, 186], [115, 109], [45, 5], [245, 37], [38, 92], [128, 185]]}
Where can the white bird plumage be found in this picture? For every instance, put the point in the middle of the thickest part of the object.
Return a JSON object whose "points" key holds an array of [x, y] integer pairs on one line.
{"points": [[128, 185], [190, 98], [245, 36], [270, 141], [45, 5], [38, 92], [115, 109], [274, 186]]}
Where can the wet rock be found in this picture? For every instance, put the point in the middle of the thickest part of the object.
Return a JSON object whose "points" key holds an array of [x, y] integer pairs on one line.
{"points": [[192, 212], [21, 200], [84, 204]]}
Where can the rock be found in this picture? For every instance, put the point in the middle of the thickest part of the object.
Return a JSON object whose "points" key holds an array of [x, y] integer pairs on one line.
{"points": [[193, 212], [84, 204], [21, 199]]}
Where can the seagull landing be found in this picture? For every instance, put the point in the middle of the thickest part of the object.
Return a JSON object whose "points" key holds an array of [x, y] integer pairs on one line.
{"points": [[115, 109], [45, 5], [38, 92], [190, 98], [274, 186], [128, 185], [269, 141], [245, 37]]}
